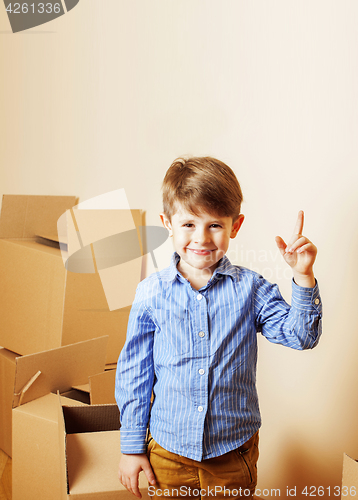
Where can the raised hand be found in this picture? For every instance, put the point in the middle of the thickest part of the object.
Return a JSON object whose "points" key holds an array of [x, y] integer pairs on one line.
{"points": [[299, 253]]}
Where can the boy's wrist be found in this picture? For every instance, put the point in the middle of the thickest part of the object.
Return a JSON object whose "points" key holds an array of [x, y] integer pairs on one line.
{"points": [[133, 441], [304, 280]]}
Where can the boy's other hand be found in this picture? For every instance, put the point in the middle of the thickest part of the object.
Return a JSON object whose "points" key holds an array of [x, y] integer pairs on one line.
{"points": [[300, 253], [129, 468]]}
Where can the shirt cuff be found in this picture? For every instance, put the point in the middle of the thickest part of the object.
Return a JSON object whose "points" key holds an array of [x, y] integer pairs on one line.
{"points": [[133, 441], [306, 298]]}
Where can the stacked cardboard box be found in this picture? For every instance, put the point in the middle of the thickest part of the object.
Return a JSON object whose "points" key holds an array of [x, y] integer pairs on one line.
{"points": [[44, 306], [51, 321]]}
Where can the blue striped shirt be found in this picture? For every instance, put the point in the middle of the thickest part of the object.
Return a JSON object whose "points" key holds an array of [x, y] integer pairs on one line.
{"points": [[197, 351]]}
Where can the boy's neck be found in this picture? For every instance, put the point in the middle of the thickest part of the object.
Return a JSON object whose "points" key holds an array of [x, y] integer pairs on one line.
{"points": [[196, 277]]}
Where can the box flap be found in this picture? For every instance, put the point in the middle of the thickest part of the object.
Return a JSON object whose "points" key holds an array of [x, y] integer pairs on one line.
{"points": [[7, 376], [82, 387], [98, 475], [58, 369], [110, 366], [24, 216], [350, 476], [77, 395], [62, 449], [102, 387], [50, 237]]}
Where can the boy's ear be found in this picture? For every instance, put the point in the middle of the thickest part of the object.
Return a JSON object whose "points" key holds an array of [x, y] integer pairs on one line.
{"points": [[166, 223], [236, 225]]}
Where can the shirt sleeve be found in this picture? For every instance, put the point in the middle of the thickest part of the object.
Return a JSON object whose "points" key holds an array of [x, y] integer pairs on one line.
{"points": [[135, 376], [298, 326]]}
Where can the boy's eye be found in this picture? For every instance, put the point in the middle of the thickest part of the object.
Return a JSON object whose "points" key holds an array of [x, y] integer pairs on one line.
{"points": [[189, 224], [215, 225]]}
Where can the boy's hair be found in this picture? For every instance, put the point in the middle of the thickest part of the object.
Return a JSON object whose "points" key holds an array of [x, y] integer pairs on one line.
{"points": [[201, 183]]}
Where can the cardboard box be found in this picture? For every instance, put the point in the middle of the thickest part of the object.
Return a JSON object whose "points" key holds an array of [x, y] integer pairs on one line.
{"points": [[8, 362], [42, 305], [35, 445], [100, 388], [90, 453], [350, 477], [7, 379]]}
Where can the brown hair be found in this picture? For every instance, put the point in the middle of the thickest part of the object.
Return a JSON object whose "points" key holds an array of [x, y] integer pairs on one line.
{"points": [[201, 183]]}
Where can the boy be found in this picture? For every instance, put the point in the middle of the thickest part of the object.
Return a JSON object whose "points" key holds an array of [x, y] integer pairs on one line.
{"points": [[192, 340]]}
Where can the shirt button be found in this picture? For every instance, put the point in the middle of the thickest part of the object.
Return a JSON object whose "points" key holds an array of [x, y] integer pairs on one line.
{"points": [[199, 297], [201, 371], [201, 334], [316, 302], [200, 408]]}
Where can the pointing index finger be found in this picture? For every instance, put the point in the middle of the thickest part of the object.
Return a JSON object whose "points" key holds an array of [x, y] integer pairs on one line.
{"points": [[299, 223]]}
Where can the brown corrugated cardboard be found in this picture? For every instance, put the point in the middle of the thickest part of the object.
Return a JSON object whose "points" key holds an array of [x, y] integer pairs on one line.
{"points": [[111, 366], [78, 395], [31, 296], [35, 465], [43, 306], [58, 369], [7, 377], [9, 363], [349, 478], [102, 387], [90, 452], [24, 216]]}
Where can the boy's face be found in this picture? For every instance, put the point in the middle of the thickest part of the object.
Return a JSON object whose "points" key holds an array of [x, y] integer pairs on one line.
{"points": [[200, 240]]}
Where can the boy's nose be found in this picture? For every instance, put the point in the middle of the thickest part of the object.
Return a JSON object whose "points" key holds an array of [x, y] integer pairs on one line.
{"points": [[201, 236]]}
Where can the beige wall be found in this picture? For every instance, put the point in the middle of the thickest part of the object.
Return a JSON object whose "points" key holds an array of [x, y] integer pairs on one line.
{"points": [[108, 95]]}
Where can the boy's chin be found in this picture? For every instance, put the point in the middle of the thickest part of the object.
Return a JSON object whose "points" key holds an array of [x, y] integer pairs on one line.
{"points": [[202, 264]]}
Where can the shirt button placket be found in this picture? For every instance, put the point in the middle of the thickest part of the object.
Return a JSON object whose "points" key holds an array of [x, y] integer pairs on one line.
{"points": [[201, 334]]}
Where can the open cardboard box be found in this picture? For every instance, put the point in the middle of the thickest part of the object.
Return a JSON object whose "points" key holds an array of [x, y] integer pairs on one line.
{"points": [[100, 388], [90, 452], [42, 304], [349, 478], [35, 445]]}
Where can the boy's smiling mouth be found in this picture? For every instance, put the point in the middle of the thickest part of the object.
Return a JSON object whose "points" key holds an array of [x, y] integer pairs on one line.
{"points": [[199, 251]]}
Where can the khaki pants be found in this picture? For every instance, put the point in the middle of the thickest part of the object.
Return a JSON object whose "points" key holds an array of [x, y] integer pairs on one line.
{"points": [[233, 475]]}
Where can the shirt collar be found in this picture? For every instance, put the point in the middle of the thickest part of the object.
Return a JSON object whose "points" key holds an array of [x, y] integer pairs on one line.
{"points": [[224, 268]]}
